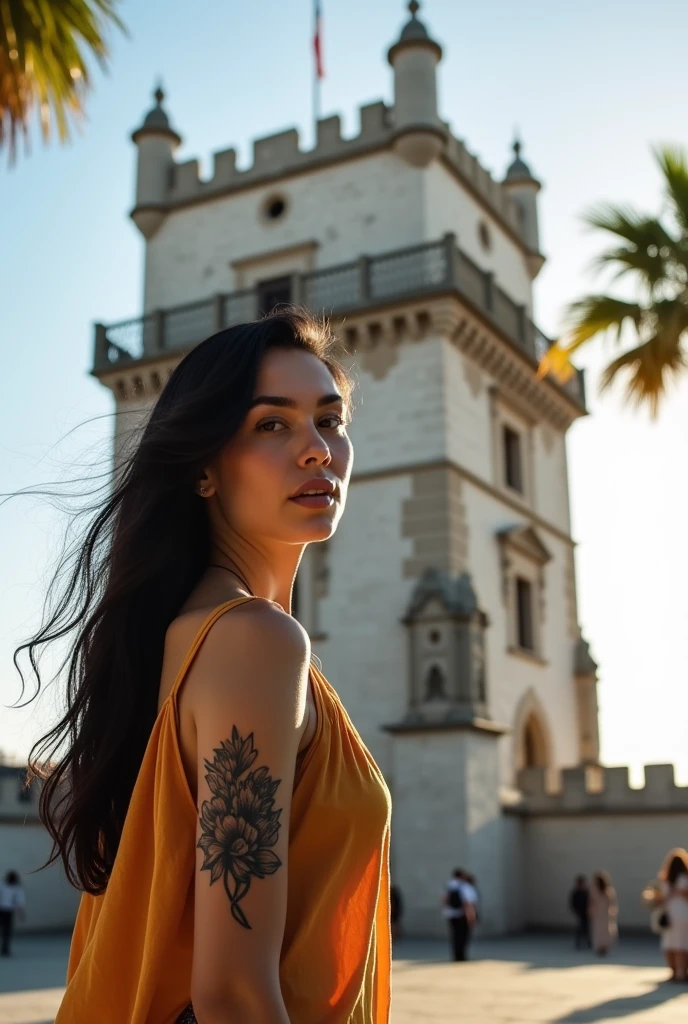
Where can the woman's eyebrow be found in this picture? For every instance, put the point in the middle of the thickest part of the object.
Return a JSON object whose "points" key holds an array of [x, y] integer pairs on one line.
{"points": [[289, 403]]}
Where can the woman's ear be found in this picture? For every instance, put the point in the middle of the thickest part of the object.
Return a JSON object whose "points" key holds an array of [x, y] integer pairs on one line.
{"points": [[204, 487]]}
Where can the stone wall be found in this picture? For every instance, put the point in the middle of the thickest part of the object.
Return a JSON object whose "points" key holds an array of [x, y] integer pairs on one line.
{"points": [[597, 822], [446, 815], [365, 206], [449, 207], [51, 903]]}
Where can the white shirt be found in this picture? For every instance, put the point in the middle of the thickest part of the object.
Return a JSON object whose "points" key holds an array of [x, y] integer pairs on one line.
{"points": [[468, 895], [11, 896]]}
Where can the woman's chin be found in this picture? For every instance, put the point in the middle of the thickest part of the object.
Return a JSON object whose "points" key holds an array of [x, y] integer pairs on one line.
{"points": [[319, 531], [316, 529]]}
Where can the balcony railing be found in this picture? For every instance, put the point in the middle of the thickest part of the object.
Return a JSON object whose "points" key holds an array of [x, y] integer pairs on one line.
{"points": [[423, 270]]}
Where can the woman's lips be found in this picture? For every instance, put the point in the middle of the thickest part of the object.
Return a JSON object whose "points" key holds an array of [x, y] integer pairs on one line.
{"points": [[314, 500]]}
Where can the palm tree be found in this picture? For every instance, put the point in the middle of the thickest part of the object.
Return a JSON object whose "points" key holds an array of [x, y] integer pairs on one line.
{"points": [[43, 46], [654, 254]]}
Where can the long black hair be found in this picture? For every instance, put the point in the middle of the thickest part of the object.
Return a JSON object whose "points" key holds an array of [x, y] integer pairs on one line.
{"points": [[117, 589], [675, 864]]}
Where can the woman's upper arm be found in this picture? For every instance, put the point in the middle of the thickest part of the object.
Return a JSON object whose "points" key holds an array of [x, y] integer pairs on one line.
{"points": [[248, 702]]}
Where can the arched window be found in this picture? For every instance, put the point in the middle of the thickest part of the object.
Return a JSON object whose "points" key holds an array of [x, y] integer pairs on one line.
{"points": [[434, 685], [534, 754]]}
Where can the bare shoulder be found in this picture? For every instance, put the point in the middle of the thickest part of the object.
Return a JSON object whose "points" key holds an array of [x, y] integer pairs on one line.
{"points": [[258, 628], [255, 645]]}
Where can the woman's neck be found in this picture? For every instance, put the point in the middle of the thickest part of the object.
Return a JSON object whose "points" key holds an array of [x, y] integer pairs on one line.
{"points": [[262, 574]]}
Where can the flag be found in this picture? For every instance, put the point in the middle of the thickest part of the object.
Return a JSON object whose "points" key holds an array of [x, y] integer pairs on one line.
{"points": [[318, 41]]}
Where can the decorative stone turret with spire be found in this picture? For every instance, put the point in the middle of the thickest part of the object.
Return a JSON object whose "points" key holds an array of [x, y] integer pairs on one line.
{"points": [[156, 142], [523, 187], [420, 135]]}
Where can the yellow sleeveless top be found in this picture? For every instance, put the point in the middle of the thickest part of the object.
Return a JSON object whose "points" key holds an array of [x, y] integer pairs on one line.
{"points": [[131, 951]]}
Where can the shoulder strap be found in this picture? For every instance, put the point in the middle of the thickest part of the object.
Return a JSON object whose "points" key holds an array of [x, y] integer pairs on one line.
{"points": [[200, 637]]}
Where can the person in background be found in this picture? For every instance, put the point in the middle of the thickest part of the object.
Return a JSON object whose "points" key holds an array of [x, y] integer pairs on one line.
{"points": [[472, 894], [396, 904], [579, 899], [673, 899], [12, 900], [472, 900], [603, 911], [459, 912]]}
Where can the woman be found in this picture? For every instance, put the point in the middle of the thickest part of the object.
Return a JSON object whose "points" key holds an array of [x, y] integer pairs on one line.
{"points": [[603, 909], [673, 900], [228, 826], [12, 901]]}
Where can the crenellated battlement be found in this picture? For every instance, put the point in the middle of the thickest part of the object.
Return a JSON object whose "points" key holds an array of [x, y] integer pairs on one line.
{"points": [[600, 790], [280, 155]]}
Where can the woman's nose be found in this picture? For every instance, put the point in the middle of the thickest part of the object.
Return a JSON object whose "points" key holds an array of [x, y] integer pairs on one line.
{"points": [[316, 451]]}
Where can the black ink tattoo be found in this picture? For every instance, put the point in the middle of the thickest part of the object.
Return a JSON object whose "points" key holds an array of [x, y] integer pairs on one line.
{"points": [[238, 823]]}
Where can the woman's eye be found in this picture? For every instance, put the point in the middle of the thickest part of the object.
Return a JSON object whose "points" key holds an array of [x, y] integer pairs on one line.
{"points": [[271, 426], [338, 421]]}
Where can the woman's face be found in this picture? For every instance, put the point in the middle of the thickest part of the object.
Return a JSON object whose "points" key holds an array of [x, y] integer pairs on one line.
{"points": [[293, 440]]}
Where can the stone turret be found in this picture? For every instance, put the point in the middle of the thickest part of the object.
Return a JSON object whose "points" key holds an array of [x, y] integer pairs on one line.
{"points": [[447, 644], [585, 675], [156, 142], [523, 187], [419, 134]]}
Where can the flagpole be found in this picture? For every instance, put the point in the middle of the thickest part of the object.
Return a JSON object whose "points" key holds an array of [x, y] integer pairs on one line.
{"points": [[317, 43]]}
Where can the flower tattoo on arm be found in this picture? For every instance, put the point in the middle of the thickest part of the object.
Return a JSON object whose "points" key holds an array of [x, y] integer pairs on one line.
{"points": [[238, 823]]}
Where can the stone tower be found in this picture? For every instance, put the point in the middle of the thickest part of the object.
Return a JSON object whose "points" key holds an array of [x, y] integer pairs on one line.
{"points": [[444, 609]]}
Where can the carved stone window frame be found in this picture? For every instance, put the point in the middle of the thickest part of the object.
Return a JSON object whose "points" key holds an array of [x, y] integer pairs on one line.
{"points": [[523, 556], [248, 271], [508, 412]]}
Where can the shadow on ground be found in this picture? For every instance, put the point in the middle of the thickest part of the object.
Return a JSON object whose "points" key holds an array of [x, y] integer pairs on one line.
{"points": [[625, 1006], [534, 952]]}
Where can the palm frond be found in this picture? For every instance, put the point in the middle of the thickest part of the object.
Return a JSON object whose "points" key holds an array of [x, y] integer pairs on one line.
{"points": [[658, 256], [647, 370], [596, 314], [584, 319], [652, 264], [44, 47], [673, 164], [621, 220], [651, 250], [557, 363]]}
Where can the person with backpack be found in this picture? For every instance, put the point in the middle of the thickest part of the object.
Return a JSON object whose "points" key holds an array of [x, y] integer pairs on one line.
{"points": [[459, 912]]}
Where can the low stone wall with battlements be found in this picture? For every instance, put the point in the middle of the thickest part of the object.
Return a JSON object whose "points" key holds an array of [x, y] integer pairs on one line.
{"points": [[595, 821]]}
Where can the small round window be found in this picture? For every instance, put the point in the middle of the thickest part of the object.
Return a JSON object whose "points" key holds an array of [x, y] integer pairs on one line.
{"points": [[275, 208], [484, 236]]}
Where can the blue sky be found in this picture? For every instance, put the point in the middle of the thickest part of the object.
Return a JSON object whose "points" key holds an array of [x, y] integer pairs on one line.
{"points": [[591, 88]]}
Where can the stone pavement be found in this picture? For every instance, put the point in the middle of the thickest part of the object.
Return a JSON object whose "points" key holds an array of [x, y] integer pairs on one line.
{"points": [[519, 980]]}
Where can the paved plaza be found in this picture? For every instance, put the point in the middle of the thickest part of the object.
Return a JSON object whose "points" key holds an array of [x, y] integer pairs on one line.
{"points": [[525, 980]]}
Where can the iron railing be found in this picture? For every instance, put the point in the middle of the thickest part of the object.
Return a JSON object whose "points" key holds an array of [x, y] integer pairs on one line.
{"points": [[350, 287]]}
